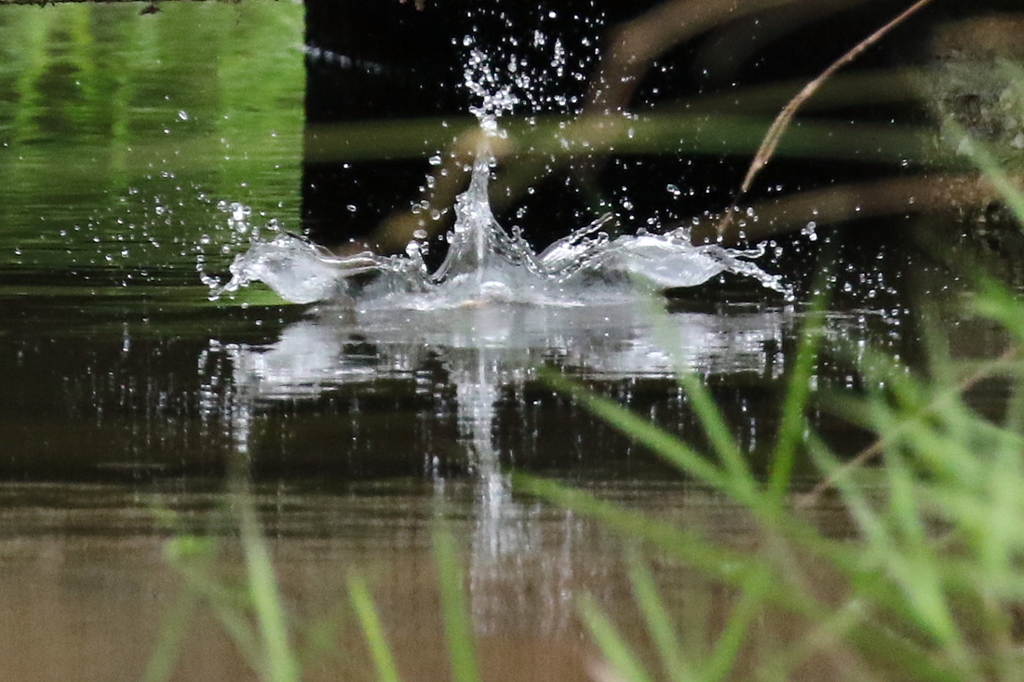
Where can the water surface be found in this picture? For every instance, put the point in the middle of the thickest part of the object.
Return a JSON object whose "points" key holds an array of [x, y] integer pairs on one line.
{"points": [[132, 148]]}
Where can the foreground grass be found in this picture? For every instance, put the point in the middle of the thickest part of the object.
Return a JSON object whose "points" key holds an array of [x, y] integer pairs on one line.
{"points": [[928, 589]]}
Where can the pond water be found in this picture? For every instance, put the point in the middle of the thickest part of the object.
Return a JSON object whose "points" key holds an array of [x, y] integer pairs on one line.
{"points": [[132, 149]]}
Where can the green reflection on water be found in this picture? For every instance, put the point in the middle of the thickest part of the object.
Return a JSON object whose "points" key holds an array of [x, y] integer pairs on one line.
{"points": [[120, 132]]}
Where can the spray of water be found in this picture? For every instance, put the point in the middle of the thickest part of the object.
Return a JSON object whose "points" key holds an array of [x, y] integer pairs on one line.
{"points": [[485, 263]]}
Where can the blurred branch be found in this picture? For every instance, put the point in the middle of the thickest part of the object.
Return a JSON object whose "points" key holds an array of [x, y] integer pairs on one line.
{"points": [[635, 44], [531, 144], [711, 133], [894, 196]]}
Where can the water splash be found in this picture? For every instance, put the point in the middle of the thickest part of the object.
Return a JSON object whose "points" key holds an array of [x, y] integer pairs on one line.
{"points": [[487, 264]]}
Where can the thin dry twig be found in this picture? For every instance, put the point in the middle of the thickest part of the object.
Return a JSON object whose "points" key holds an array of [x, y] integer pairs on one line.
{"points": [[785, 117], [633, 45]]}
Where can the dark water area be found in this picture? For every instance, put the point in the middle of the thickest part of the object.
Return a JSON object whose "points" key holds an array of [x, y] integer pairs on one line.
{"points": [[128, 143]]}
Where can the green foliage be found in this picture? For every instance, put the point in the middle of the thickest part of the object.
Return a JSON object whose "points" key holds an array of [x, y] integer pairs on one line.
{"points": [[458, 625], [250, 611], [369, 621], [120, 132], [926, 589], [279, 660]]}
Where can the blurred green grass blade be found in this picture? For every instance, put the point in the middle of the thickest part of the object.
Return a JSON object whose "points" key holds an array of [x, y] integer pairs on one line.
{"points": [[939, 365], [793, 421], [238, 626], [903, 508], [281, 665], [688, 546], [656, 439], [990, 166], [654, 132], [190, 556], [1005, 491], [656, 618], [727, 649], [193, 557], [828, 636], [458, 624], [173, 629], [866, 572], [897, 544], [373, 630], [718, 433], [943, 456], [993, 300], [1015, 73], [627, 667], [711, 419], [912, 561], [853, 495]]}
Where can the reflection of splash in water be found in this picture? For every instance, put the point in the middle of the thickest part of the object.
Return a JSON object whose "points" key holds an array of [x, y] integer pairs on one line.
{"points": [[484, 350], [488, 353], [487, 264]]}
